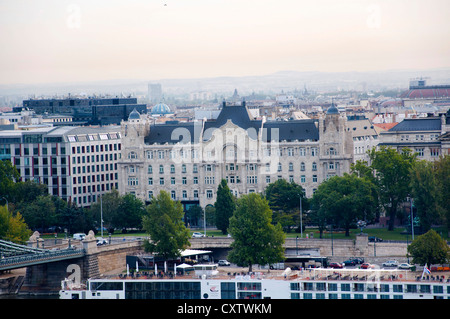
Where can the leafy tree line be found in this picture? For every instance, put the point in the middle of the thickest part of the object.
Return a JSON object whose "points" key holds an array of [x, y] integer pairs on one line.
{"points": [[384, 186]]}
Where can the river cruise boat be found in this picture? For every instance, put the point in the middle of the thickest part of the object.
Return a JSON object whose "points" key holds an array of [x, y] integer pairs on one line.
{"points": [[206, 283]]}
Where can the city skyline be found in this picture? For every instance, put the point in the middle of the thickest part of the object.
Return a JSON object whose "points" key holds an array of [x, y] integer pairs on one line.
{"points": [[65, 41]]}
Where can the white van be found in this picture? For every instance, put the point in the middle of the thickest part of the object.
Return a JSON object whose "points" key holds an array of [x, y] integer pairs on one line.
{"points": [[79, 236]]}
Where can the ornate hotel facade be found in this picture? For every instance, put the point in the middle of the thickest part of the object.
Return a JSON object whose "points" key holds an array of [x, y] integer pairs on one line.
{"points": [[189, 159]]}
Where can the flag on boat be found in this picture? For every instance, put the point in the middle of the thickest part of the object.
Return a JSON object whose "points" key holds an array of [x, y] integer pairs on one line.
{"points": [[425, 271]]}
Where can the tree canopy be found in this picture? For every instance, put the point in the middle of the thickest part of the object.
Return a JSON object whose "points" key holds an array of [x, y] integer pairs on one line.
{"points": [[392, 176], [224, 205], [284, 200], [13, 227], [342, 200], [163, 221], [425, 193], [429, 248], [256, 239]]}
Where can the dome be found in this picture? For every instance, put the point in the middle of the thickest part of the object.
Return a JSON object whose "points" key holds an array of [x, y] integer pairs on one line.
{"points": [[332, 109], [161, 108], [134, 115]]}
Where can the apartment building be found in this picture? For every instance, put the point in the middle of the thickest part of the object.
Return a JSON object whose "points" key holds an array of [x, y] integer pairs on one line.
{"points": [[427, 137]]}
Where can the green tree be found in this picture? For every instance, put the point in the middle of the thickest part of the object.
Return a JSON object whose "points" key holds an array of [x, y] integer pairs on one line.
{"points": [[130, 212], [256, 239], [164, 223], [41, 213], [284, 200], [8, 176], [424, 191], [392, 175], [13, 227], [429, 248], [27, 192], [194, 215], [76, 219], [442, 175], [108, 205], [342, 200], [224, 205]]}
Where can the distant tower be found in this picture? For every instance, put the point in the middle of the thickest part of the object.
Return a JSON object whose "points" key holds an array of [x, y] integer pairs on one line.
{"points": [[335, 144], [235, 96], [154, 93]]}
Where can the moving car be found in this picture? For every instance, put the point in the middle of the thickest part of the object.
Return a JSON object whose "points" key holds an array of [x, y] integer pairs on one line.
{"points": [[366, 266], [350, 262], [404, 266], [336, 265], [390, 263], [197, 235], [223, 262], [79, 236], [373, 239]]}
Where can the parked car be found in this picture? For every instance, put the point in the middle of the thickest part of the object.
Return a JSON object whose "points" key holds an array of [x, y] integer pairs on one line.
{"points": [[350, 262], [390, 263], [375, 239], [223, 262], [366, 266], [197, 235], [79, 236], [336, 265], [405, 266]]}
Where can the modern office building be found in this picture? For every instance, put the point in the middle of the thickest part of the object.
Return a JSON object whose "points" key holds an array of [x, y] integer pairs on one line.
{"points": [[91, 111], [189, 159], [76, 163], [155, 94]]}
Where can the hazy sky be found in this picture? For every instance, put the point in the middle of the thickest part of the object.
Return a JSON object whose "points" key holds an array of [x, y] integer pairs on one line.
{"points": [[66, 41]]}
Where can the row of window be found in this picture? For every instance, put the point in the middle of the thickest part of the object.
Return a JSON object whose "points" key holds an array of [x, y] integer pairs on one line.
{"points": [[34, 150], [308, 295], [95, 158], [434, 152], [419, 137], [362, 287], [210, 180], [194, 153], [230, 167], [184, 194], [96, 148]]}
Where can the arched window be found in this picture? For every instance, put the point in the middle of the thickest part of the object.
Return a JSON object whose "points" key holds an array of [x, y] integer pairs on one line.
{"points": [[302, 166], [132, 155]]}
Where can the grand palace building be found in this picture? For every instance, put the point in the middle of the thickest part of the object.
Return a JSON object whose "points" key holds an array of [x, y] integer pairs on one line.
{"points": [[189, 159]]}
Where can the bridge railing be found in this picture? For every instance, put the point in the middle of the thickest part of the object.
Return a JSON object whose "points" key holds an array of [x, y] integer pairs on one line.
{"points": [[51, 255]]}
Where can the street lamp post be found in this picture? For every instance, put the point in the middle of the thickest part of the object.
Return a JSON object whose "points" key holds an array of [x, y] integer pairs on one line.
{"points": [[301, 222], [101, 215], [412, 218]]}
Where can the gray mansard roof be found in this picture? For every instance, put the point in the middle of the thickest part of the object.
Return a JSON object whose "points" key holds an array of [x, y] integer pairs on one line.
{"points": [[174, 132], [419, 124], [239, 115]]}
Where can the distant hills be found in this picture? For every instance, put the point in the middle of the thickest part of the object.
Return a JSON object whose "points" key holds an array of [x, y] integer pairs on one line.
{"points": [[270, 83]]}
